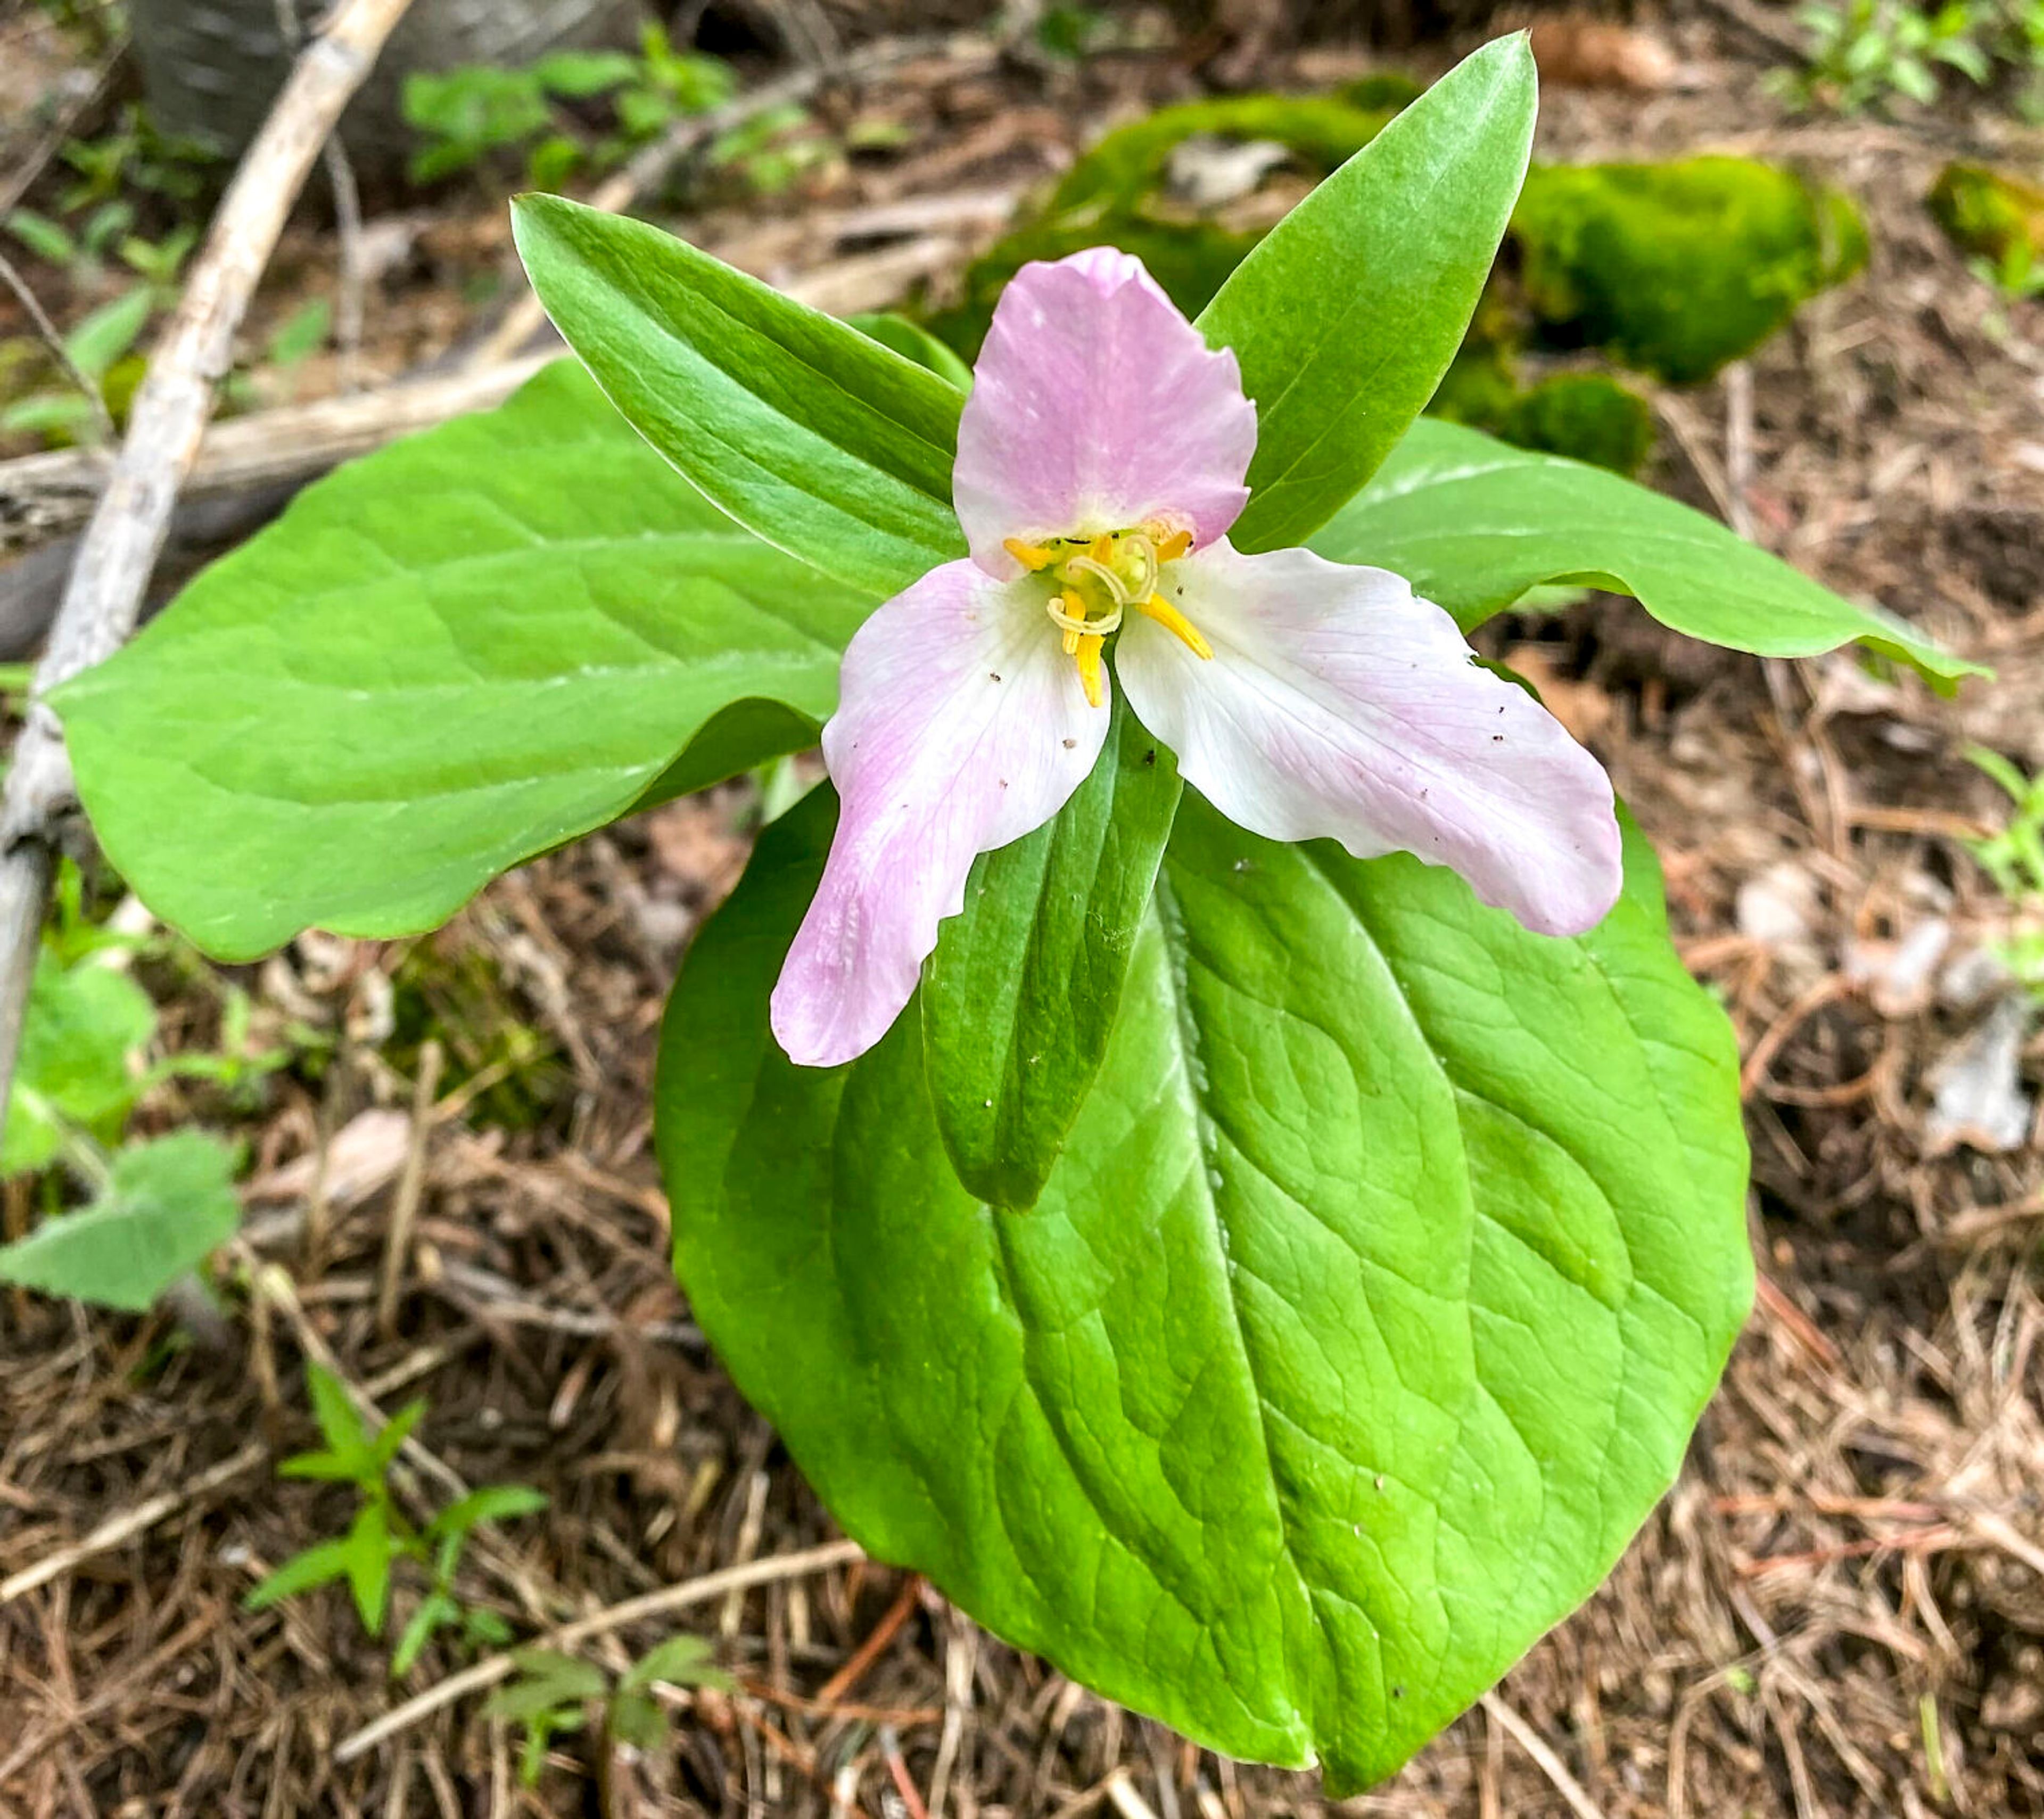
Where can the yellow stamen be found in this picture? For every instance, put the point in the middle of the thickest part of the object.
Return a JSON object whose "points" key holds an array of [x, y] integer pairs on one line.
{"points": [[1075, 607], [1174, 546], [1028, 554], [1157, 607], [1089, 680], [1102, 548]]}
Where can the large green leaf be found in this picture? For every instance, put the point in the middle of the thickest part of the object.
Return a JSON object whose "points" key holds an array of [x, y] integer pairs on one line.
{"points": [[1362, 1320], [1348, 311], [1472, 524], [1019, 999], [166, 1205], [824, 442], [448, 656]]}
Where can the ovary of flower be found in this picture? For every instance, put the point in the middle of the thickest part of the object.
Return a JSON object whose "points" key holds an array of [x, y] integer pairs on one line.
{"points": [[1094, 580], [1101, 458]]}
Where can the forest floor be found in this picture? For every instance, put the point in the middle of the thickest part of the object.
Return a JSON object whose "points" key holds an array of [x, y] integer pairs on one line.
{"points": [[1838, 1610]]}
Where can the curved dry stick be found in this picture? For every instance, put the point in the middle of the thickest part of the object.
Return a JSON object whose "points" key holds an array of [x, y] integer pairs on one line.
{"points": [[703, 1591], [171, 410]]}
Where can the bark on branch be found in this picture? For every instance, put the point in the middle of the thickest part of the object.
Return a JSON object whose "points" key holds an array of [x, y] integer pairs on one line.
{"points": [[170, 412]]}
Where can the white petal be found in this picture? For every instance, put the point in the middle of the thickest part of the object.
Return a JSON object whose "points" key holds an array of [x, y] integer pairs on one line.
{"points": [[1095, 406], [1338, 705], [961, 725]]}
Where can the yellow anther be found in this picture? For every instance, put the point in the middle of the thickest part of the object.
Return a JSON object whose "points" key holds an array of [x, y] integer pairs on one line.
{"points": [[1089, 654], [1028, 554], [1102, 548], [1171, 548], [1074, 608], [1157, 607]]}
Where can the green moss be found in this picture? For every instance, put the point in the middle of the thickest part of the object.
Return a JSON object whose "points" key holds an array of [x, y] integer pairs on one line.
{"points": [[1682, 267], [1383, 91], [1479, 387], [1989, 214], [1589, 416], [450, 987], [1115, 196], [1123, 170]]}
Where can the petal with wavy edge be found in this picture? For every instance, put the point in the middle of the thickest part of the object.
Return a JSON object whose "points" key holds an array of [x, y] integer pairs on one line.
{"points": [[961, 725], [1095, 406], [1339, 704]]}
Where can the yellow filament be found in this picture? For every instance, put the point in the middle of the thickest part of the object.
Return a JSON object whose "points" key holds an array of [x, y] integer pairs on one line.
{"points": [[1174, 546], [1089, 655], [1028, 554], [1157, 607]]}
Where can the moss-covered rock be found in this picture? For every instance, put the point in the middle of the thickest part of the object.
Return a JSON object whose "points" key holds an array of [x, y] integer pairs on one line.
{"points": [[1589, 417], [1673, 268], [1990, 214], [1118, 195], [1678, 268]]}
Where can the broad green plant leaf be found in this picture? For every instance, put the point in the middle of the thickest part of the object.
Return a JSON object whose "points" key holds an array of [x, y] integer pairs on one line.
{"points": [[446, 657], [1020, 998], [1364, 1318], [823, 442], [166, 1207], [1348, 311], [80, 1038], [1472, 524]]}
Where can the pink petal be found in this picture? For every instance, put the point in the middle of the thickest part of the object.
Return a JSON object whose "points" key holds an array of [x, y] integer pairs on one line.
{"points": [[1337, 704], [1096, 406], [960, 726]]}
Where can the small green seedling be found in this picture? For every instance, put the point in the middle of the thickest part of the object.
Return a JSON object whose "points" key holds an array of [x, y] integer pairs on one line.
{"points": [[553, 1692], [154, 1210], [380, 1536], [2015, 859], [1865, 53], [468, 116]]}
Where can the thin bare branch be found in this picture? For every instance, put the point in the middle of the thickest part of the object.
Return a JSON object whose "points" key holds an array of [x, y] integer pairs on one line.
{"points": [[100, 603], [55, 342]]}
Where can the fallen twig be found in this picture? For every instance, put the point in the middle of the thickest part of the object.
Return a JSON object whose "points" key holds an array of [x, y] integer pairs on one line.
{"points": [[648, 169], [46, 330], [411, 1184], [870, 1651], [706, 1590], [73, 110], [129, 1523], [291, 443], [1550, 1765], [104, 597]]}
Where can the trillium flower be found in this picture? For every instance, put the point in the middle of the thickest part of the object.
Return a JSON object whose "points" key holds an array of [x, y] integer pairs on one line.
{"points": [[1100, 463]]}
